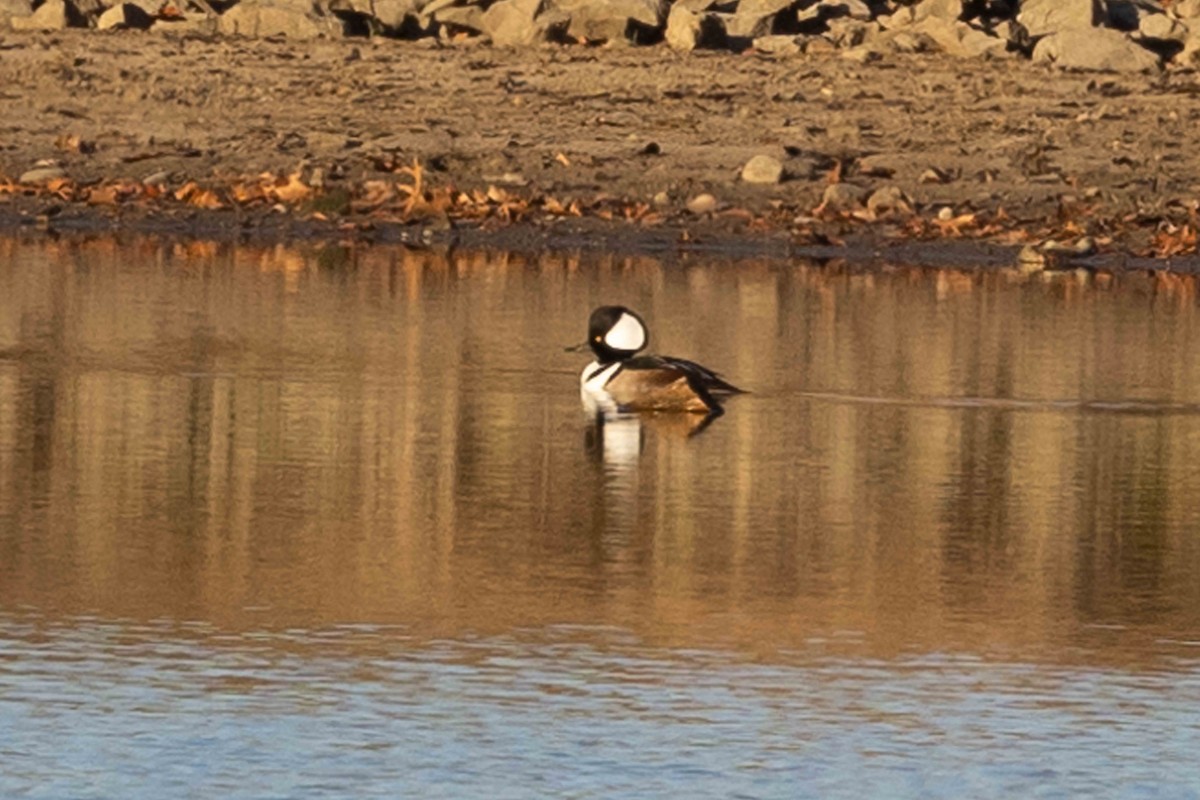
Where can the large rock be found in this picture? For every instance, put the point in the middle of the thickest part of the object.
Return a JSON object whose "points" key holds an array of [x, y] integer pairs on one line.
{"points": [[960, 39], [522, 22], [688, 29], [14, 8], [1163, 28], [397, 15], [52, 15], [742, 29], [260, 18], [938, 9], [1095, 48], [1044, 17], [1186, 9], [124, 15], [764, 7], [614, 20], [472, 18]]}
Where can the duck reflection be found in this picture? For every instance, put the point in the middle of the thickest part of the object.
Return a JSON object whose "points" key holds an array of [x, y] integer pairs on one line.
{"points": [[616, 440]]}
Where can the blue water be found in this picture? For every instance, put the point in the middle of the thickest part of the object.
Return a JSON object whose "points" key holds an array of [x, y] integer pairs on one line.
{"points": [[104, 709]]}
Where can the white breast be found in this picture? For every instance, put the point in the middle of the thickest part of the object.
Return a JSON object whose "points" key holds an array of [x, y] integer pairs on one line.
{"points": [[591, 388]]}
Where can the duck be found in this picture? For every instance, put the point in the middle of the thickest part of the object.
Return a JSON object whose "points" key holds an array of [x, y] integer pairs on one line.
{"points": [[620, 380]]}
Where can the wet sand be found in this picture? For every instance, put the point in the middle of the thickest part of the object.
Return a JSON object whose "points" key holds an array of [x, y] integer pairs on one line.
{"points": [[209, 133]]}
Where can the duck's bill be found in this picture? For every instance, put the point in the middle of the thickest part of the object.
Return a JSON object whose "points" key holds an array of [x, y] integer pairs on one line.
{"points": [[575, 348]]}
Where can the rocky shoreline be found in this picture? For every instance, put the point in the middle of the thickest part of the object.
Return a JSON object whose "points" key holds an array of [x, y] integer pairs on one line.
{"points": [[826, 124]]}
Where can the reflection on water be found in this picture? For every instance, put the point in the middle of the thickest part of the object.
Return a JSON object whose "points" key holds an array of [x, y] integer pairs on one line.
{"points": [[252, 495]]}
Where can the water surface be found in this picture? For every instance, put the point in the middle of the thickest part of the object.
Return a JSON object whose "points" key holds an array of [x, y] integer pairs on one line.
{"points": [[289, 522]]}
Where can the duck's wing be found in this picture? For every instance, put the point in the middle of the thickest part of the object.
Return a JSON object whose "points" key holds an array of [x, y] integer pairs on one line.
{"points": [[710, 380], [653, 383]]}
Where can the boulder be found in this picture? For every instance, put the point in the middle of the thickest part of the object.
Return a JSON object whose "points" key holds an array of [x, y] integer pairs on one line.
{"points": [[854, 9], [397, 15], [522, 22], [124, 15], [960, 39], [780, 45], [1095, 49], [14, 8], [742, 29], [763, 7], [471, 18], [1044, 17], [52, 15], [1162, 28], [614, 20], [1186, 9], [938, 9], [688, 29], [261, 18]]}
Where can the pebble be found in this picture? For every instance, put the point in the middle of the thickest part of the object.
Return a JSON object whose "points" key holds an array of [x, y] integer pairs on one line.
{"points": [[762, 169], [42, 175], [702, 204]]}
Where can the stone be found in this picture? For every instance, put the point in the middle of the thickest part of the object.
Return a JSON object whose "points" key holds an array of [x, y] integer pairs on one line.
{"points": [[852, 9], [889, 200], [687, 30], [520, 22], [842, 197], [262, 18], [124, 15], [764, 7], [702, 204], [961, 39], [779, 45], [42, 174], [762, 169], [1101, 49], [52, 15], [1163, 28], [613, 20], [398, 15], [14, 8], [741, 29], [1044, 17], [901, 18], [849, 32], [949, 10], [470, 18], [1186, 9]]}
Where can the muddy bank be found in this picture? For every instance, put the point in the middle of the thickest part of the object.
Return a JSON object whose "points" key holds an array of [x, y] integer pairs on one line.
{"points": [[445, 140]]}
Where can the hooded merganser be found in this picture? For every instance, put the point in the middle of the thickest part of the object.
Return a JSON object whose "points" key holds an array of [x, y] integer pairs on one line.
{"points": [[620, 380]]}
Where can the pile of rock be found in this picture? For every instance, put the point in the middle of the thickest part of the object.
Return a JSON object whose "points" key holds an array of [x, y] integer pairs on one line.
{"points": [[1118, 35]]}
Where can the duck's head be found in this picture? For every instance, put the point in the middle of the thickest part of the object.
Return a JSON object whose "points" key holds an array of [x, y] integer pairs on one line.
{"points": [[616, 333]]}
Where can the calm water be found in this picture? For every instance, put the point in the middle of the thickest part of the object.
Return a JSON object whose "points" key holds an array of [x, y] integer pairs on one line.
{"points": [[301, 522]]}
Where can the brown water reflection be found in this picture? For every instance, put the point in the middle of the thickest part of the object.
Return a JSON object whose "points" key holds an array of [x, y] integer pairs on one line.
{"points": [[302, 436]]}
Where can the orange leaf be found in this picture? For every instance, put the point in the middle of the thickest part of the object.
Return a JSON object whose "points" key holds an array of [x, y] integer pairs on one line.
{"points": [[292, 190], [206, 198]]}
